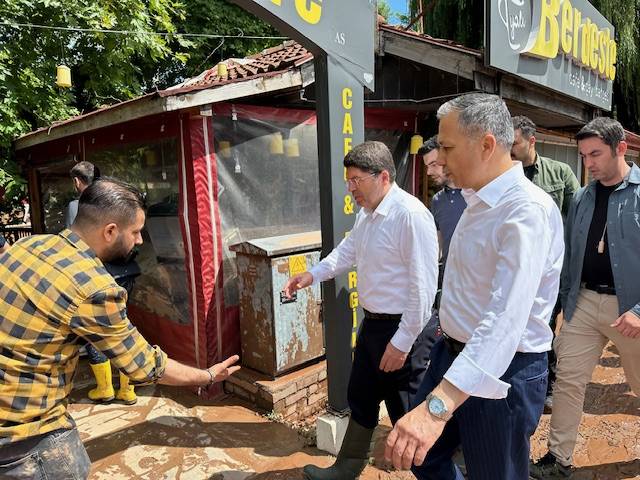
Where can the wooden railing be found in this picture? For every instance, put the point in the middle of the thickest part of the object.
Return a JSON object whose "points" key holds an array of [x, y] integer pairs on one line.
{"points": [[12, 233]]}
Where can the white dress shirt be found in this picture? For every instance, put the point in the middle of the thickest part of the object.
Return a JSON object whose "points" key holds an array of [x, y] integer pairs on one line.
{"points": [[395, 250], [501, 280]]}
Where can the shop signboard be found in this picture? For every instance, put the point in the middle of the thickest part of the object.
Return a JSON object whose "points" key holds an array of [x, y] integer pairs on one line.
{"points": [[565, 45]]}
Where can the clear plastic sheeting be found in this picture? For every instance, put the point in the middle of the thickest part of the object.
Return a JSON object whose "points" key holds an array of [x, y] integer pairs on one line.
{"points": [[56, 190], [267, 161], [152, 166], [267, 176]]}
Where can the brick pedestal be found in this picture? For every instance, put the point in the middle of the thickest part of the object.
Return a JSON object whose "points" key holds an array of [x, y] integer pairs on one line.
{"points": [[294, 396]]}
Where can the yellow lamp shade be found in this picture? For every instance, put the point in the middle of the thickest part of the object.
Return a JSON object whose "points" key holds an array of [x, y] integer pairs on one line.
{"points": [[63, 76], [292, 147], [151, 158], [222, 69], [276, 146], [225, 148], [416, 143]]}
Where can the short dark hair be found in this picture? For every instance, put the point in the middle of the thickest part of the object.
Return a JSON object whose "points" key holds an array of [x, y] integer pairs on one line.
{"points": [[429, 146], [610, 131], [109, 200], [525, 125], [373, 157], [481, 113], [86, 172]]}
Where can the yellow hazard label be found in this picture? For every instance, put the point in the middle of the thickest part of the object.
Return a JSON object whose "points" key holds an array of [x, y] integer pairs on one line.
{"points": [[297, 264]]}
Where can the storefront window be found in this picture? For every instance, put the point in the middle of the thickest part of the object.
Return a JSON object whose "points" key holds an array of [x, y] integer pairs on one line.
{"points": [[562, 153], [268, 176], [161, 288], [56, 190]]}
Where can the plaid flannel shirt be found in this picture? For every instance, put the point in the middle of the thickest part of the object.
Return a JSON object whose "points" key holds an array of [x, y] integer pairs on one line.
{"points": [[55, 295]]}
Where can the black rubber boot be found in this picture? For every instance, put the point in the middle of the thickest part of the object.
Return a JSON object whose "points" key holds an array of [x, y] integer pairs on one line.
{"points": [[352, 458]]}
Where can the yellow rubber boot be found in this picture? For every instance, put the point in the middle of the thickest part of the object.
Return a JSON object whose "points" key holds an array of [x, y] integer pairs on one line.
{"points": [[104, 390], [126, 392]]}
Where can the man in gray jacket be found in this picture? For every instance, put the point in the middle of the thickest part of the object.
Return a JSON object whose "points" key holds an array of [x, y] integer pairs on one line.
{"points": [[600, 292]]}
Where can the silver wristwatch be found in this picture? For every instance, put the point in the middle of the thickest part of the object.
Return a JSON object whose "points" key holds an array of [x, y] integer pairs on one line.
{"points": [[437, 407]]}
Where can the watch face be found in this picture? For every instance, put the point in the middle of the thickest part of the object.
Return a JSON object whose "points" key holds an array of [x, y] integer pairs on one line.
{"points": [[437, 406]]}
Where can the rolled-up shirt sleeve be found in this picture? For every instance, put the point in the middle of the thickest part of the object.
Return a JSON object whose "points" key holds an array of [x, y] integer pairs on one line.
{"points": [[522, 243], [419, 251], [341, 259], [101, 319]]}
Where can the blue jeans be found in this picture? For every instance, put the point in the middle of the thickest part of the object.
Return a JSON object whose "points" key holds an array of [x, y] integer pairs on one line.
{"points": [[494, 434], [59, 454], [95, 355]]}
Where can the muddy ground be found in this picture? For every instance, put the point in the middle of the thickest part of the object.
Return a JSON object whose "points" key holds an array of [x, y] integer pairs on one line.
{"points": [[171, 434], [609, 438]]}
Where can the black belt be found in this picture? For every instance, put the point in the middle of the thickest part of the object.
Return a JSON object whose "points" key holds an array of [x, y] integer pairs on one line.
{"points": [[602, 289], [382, 316], [453, 346]]}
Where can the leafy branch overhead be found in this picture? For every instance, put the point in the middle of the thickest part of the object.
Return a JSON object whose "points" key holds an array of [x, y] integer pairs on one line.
{"points": [[105, 68]]}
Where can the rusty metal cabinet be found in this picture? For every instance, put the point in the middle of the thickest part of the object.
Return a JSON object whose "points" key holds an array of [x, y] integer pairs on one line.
{"points": [[278, 334]]}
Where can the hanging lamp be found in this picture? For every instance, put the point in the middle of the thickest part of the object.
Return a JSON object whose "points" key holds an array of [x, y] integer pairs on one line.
{"points": [[292, 147], [416, 143], [225, 148], [63, 76], [416, 139], [151, 158], [276, 145]]}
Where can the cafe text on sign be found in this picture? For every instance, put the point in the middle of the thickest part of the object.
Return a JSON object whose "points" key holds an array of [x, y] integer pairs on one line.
{"points": [[309, 10]]}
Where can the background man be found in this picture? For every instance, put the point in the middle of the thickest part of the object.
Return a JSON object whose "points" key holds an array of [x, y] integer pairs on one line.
{"points": [[559, 181], [394, 247], [555, 178], [486, 381], [124, 271], [55, 295], [82, 174], [447, 206], [448, 203], [600, 291]]}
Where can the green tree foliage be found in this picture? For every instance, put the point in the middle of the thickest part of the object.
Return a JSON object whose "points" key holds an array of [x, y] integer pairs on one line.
{"points": [[452, 19], [215, 17], [384, 9], [625, 17], [105, 67], [458, 20]]}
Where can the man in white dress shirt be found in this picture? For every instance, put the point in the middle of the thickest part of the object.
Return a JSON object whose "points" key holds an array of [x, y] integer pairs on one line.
{"points": [[394, 246], [487, 379]]}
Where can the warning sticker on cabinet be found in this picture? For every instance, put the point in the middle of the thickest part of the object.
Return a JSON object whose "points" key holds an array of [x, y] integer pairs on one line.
{"points": [[297, 264]]}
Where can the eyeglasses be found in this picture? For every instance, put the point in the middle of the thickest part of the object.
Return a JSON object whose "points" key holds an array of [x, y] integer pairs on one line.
{"points": [[355, 181]]}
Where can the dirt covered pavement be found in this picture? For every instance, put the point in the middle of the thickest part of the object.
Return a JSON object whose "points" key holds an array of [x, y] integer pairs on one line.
{"points": [[609, 437], [172, 434]]}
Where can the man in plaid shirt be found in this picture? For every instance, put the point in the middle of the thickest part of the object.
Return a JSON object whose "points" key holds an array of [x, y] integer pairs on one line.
{"points": [[55, 295]]}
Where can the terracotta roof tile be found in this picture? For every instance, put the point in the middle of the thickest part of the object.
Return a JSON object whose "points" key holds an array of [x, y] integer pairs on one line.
{"points": [[277, 59]]}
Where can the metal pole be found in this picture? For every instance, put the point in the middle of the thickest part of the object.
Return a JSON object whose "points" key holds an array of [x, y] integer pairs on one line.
{"points": [[340, 109]]}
